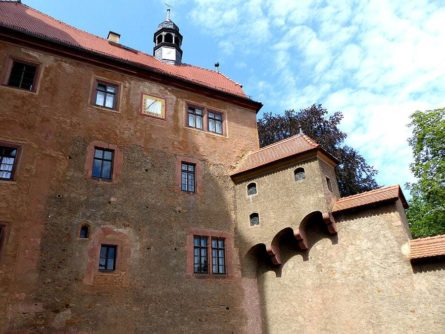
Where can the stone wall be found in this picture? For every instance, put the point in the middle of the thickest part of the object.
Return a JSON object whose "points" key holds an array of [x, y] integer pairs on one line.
{"points": [[49, 277], [359, 281]]}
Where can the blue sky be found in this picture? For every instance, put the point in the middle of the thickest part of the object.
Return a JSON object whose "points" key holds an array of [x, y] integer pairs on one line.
{"points": [[375, 61]]}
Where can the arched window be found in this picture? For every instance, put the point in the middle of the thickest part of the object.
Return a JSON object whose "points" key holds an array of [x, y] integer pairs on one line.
{"points": [[159, 39], [251, 189], [299, 174], [254, 219], [84, 232], [168, 38]]}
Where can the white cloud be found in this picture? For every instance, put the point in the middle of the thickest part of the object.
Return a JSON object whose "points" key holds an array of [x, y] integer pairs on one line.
{"points": [[376, 61]]}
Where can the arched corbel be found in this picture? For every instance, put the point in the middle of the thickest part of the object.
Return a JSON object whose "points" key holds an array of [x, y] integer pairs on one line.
{"points": [[329, 220], [274, 254], [302, 243]]}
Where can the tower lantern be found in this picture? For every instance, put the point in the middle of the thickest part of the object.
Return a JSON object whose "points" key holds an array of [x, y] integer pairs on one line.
{"points": [[168, 41]]}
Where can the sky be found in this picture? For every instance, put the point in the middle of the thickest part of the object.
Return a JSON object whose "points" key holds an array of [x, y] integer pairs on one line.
{"points": [[375, 61]]}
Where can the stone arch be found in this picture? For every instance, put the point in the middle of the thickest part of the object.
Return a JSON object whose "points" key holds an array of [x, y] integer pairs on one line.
{"points": [[256, 258], [315, 226], [168, 38]]}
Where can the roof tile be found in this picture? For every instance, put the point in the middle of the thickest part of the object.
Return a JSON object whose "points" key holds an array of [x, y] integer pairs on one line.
{"points": [[368, 198], [283, 149], [22, 18], [427, 247]]}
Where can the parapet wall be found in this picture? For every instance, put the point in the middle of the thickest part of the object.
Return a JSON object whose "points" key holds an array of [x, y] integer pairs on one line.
{"points": [[360, 281]]}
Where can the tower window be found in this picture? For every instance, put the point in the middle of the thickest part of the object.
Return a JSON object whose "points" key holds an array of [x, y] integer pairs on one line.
{"points": [[188, 177], [103, 164], [107, 261], [251, 189], [159, 39], [215, 122], [8, 159], [84, 232], [328, 181], [22, 76], [254, 219], [168, 38], [299, 174], [195, 116]]}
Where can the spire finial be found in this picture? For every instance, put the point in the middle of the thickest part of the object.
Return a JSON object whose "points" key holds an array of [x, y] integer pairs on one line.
{"points": [[168, 14]]}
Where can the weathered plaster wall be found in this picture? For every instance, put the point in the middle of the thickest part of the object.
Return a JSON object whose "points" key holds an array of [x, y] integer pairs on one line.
{"points": [[281, 202], [357, 282], [49, 277]]}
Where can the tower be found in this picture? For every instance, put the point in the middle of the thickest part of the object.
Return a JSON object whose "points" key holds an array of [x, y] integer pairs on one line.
{"points": [[168, 42]]}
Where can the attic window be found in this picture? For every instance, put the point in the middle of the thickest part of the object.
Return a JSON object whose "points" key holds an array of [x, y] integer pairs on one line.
{"points": [[251, 189], [254, 219], [299, 174]]}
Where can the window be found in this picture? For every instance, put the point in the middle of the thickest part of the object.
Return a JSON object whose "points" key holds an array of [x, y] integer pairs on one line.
{"points": [[218, 256], [195, 116], [2, 235], [84, 232], [107, 261], [215, 122], [251, 189], [106, 95], [254, 219], [22, 76], [328, 181], [188, 177], [8, 159], [102, 164], [153, 106], [299, 174], [200, 257]]}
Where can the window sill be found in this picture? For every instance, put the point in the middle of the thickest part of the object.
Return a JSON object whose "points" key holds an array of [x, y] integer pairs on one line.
{"points": [[207, 132], [108, 110], [210, 276], [17, 89], [11, 182]]}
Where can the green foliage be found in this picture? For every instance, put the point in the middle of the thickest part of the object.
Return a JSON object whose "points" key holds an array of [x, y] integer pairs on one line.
{"points": [[354, 175], [426, 214]]}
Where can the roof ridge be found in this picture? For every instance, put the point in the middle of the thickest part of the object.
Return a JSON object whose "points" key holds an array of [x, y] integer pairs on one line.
{"points": [[212, 71], [366, 193], [284, 141], [428, 238]]}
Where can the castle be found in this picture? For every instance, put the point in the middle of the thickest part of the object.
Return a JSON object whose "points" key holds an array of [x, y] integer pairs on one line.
{"points": [[135, 199]]}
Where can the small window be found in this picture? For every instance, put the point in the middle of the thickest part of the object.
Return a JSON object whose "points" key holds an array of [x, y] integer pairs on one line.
{"points": [[195, 116], [251, 189], [159, 39], [328, 181], [218, 256], [153, 106], [8, 161], [188, 177], [84, 232], [22, 76], [107, 261], [299, 174], [254, 219], [215, 122], [200, 256], [103, 164], [106, 95], [2, 236], [168, 38]]}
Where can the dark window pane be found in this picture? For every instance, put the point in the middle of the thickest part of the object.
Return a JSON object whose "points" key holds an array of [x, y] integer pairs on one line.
{"points": [[107, 258], [254, 219], [106, 95], [103, 164], [187, 177], [7, 162], [22, 76], [106, 169], [84, 232], [97, 168]]}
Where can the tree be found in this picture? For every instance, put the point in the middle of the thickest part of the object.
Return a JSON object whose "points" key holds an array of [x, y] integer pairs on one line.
{"points": [[426, 214], [354, 175]]}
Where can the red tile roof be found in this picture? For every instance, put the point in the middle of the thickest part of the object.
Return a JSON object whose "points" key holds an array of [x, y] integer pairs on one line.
{"points": [[427, 247], [384, 194], [280, 150], [27, 20]]}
